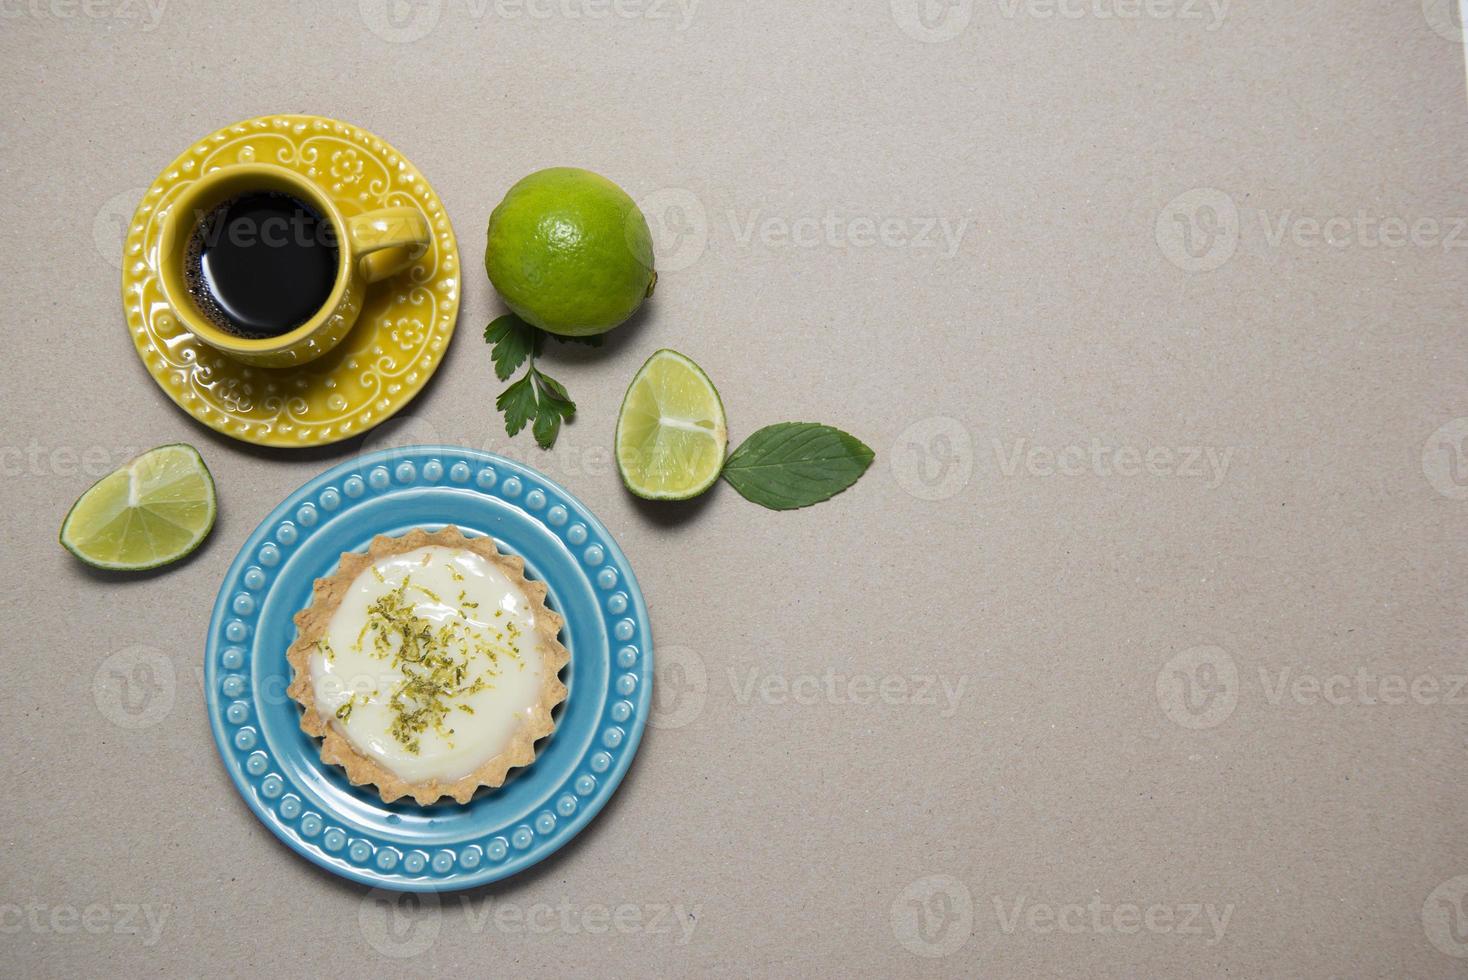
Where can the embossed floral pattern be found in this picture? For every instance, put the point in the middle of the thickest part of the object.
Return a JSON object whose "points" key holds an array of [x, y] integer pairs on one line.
{"points": [[408, 333], [346, 166], [235, 394]]}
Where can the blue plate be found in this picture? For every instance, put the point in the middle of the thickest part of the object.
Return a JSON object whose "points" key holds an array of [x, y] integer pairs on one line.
{"points": [[349, 830]]}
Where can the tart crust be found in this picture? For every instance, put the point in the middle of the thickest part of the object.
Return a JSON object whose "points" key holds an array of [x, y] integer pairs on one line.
{"points": [[313, 622]]}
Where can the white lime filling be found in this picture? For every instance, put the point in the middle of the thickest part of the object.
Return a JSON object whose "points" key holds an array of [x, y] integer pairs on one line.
{"points": [[430, 664]]}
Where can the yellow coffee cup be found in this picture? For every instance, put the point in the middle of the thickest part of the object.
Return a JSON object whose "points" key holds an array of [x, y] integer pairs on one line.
{"points": [[370, 247]]}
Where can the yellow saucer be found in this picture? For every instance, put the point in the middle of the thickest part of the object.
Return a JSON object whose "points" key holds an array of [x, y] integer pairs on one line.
{"points": [[390, 354]]}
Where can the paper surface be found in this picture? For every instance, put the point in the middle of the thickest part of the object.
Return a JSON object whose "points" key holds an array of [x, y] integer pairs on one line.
{"points": [[1139, 650]]}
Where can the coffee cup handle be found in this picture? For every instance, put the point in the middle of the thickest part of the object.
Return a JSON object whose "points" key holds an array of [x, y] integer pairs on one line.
{"points": [[386, 242]]}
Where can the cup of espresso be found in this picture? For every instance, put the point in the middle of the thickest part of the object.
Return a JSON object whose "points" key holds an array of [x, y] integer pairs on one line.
{"points": [[259, 263]]}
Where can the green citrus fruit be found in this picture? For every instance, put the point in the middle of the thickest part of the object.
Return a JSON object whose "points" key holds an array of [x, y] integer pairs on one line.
{"points": [[671, 433], [570, 252], [154, 510]]}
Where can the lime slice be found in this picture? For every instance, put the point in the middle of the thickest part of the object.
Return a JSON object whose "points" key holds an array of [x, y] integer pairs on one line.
{"points": [[152, 511], [671, 434]]}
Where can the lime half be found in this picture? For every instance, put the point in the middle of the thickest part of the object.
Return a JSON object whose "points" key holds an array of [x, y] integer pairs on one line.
{"points": [[671, 435], [154, 510]]}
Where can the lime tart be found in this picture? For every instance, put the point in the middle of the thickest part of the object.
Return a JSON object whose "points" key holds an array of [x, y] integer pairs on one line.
{"points": [[428, 666]]}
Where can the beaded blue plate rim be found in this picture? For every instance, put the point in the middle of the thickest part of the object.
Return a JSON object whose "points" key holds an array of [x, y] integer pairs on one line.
{"points": [[291, 813]]}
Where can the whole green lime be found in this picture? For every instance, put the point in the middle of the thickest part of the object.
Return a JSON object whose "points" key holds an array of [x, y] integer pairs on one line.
{"points": [[570, 252]]}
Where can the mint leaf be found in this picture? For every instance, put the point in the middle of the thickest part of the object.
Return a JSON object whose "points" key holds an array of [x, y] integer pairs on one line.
{"points": [[514, 340], [796, 464], [518, 403]]}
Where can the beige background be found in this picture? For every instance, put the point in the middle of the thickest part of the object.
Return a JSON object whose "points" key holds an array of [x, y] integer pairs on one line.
{"points": [[1043, 695]]}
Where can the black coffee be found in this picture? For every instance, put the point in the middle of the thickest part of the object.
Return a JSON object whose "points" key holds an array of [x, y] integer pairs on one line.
{"points": [[261, 264]]}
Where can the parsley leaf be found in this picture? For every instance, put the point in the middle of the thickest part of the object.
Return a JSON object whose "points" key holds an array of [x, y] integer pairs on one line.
{"points": [[514, 340], [547, 427], [536, 399], [595, 340], [518, 403], [552, 389], [555, 405]]}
